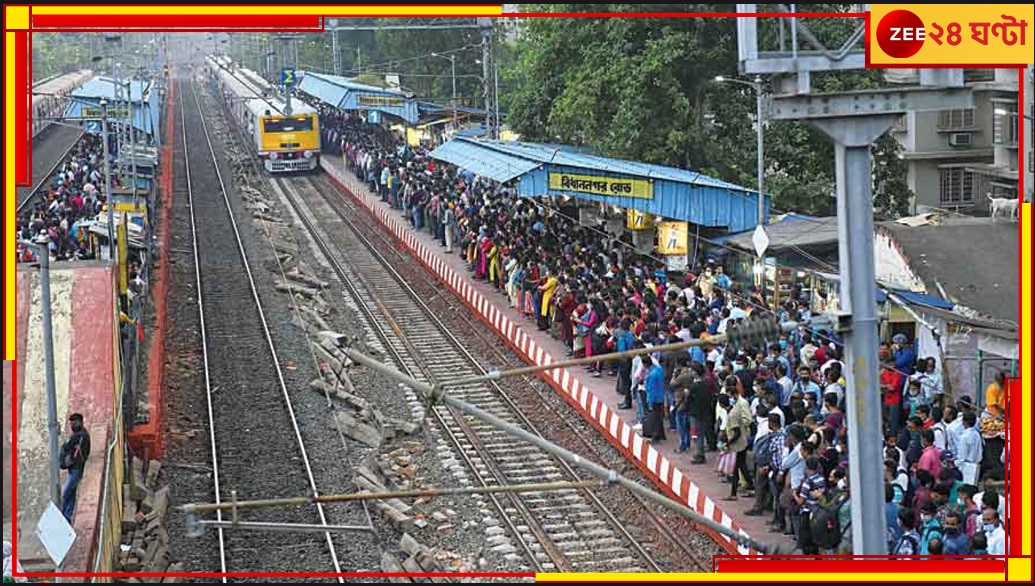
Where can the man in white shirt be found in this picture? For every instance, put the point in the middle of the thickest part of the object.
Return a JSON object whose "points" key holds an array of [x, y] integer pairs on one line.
{"points": [[785, 382], [994, 532], [944, 436], [969, 450]]}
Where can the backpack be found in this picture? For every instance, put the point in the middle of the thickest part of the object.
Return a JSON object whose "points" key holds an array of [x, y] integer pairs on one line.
{"points": [[912, 541], [763, 450], [825, 525], [910, 492]]}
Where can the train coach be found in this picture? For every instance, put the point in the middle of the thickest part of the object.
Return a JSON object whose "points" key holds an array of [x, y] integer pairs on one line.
{"points": [[285, 143], [50, 96]]}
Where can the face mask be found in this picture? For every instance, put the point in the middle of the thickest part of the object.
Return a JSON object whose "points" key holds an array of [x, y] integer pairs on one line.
{"points": [[783, 344], [737, 367], [989, 527], [841, 484], [953, 531], [925, 518], [961, 502]]}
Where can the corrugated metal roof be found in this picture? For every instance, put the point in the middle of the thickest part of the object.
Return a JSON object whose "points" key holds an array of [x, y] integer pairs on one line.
{"points": [[346, 83], [495, 165], [104, 87], [792, 231], [675, 193], [327, 93], [556, 156]]}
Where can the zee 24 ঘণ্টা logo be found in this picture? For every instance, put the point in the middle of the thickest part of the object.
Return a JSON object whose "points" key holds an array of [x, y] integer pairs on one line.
{"points": [[902, 33]]}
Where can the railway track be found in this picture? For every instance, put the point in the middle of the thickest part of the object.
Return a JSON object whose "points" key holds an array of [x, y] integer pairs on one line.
{"points": [[659, 526], [250, 416], [566, 530]]}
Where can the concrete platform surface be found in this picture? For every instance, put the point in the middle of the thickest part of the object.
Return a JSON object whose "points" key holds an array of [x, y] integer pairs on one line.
{"points": [[84, 317]]}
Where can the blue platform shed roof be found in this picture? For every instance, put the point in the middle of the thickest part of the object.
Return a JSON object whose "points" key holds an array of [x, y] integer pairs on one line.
{"points": [[346, 94], [675, 193], [85, 103]]}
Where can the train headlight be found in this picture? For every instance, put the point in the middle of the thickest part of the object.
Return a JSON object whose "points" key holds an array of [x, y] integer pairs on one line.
{"points": [[308, 154], [273, 156]]}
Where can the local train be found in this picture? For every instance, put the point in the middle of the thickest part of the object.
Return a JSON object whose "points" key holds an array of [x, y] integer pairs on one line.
{"points": [[284, 143], [50, 96]]}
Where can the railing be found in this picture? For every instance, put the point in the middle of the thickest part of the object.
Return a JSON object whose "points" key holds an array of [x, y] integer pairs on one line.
{"points": [[109, 533]]}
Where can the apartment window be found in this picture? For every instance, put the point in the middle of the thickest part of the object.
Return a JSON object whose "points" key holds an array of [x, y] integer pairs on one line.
{"points": [[956, 119], [900, 124], [956, 186], [973, 75], [1004, 124]]}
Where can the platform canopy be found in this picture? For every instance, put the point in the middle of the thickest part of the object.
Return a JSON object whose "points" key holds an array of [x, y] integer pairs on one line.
{"points": [[346, 94], [541, 170], [146, 111]]}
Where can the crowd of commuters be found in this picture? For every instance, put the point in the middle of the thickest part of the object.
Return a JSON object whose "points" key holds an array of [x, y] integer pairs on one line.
{"points": [[71, 199], [772, 413]]}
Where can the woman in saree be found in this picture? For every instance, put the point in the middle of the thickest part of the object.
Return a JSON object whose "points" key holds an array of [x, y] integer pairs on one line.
{"points": [[547, 290]]}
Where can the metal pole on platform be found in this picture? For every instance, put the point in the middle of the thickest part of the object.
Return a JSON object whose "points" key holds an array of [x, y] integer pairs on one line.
{"points": [[107, 179], [852, 138], [756, 85], [53, 427], [761, 151]]}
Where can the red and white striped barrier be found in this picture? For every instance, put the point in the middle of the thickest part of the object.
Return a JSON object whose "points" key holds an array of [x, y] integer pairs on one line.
{"points": [[631, 444]]}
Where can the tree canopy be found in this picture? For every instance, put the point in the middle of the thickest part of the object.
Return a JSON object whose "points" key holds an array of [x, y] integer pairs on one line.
{"points": [[645, 89]]}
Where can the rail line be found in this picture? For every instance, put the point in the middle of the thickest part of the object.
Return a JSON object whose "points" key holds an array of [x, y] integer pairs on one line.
{"points": [[567, 530], [490, 343], [392, 341], [245, 389]]}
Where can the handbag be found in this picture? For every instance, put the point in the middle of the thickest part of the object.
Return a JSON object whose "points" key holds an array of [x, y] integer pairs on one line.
{"points": [[727, 463]]}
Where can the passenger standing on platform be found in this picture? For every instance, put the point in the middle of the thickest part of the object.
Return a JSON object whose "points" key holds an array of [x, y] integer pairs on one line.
{"points": [[681, 383], [565, 305], [624, 342], [812, 489], [547, 290], [738, 426], [654, 428], [448, 227], [891, 390], [74, 453]]}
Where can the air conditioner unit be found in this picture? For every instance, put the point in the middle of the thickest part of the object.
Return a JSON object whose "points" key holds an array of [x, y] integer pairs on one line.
{"points": [[961, 138]]}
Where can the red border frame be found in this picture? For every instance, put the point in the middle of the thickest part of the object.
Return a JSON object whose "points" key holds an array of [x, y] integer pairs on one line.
{"points": [[22, 125]]}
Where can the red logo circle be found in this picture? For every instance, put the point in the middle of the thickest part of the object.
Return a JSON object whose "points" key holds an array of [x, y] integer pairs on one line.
{"points": [[901, 34]]}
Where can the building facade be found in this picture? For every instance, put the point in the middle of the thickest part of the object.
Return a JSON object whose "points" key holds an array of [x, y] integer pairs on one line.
{"points": [[957, 159]]}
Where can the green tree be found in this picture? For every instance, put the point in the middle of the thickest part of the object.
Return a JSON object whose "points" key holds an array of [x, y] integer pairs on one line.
{"points": [[642, 89], [892, 197]]}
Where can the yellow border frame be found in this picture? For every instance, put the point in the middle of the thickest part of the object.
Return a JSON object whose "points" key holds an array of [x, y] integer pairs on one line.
{"points": [[18, 18]]}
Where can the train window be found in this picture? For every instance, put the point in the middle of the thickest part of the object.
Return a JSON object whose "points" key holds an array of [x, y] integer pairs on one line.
{"points": [[288, 124]]}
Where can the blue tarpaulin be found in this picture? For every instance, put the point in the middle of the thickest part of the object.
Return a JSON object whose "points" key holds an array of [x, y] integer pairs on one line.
{"points": [[85, 103]]}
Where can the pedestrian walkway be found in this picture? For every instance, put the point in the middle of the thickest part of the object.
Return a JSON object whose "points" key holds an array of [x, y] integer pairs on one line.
{"points": [[696, 485], [85, 342]]}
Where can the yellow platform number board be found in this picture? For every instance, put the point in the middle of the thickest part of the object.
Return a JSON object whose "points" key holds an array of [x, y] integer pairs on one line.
{"points": [[637, 220]]}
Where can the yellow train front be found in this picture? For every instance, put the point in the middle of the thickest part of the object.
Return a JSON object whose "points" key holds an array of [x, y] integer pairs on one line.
{"points": [[284, 143]]}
